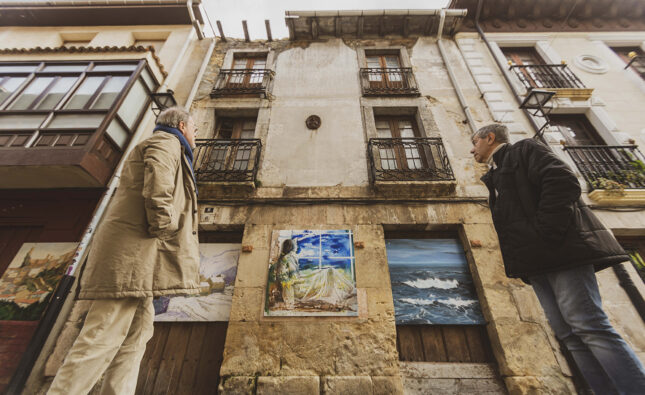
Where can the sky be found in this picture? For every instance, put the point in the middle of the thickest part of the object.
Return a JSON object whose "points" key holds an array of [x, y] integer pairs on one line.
{"points": [[232, 12]]}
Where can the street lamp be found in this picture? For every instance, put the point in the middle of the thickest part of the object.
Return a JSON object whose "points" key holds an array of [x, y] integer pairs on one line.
{"points": [[535, 103], [161, 101]]}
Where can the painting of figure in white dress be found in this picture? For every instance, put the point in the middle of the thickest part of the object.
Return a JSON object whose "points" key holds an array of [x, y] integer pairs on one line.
{"points": [[311, 273]]}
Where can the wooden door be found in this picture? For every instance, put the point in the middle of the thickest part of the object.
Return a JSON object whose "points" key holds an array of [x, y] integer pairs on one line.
{"points": [[576, 129], [525, 56], [405, 153], [251, 79], [232, 156], [390, 75]]}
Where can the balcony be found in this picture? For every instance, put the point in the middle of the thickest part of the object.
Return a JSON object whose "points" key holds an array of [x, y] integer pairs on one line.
{"points": [[410, 166], [244, 82], [614, 174], [557, 78], [226, 165], [393, 81]]}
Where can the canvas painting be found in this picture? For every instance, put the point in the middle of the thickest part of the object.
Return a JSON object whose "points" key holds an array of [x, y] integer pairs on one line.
{"points": [[218, 268], [431, 282], [311, 273], [30, 279]]}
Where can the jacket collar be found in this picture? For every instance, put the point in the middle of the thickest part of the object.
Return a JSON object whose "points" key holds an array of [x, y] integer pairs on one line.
{"points": [[494, 159]]}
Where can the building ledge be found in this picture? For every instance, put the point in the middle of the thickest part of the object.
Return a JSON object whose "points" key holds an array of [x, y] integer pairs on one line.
{"points": [[618, 197], [218, 189], [413, 189]]}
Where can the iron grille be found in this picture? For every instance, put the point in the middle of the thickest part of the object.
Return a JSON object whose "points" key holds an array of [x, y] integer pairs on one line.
{"points": [[388, 81], [409, 159], [609, 167], [235, 160], [242, 82], [547, 76]]}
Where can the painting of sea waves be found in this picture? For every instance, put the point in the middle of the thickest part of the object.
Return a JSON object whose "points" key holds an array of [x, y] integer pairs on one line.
{"points": [[431, 283]]}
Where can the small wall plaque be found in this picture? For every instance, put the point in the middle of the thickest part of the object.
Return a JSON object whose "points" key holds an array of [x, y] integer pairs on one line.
{"points": [[313, 122]]}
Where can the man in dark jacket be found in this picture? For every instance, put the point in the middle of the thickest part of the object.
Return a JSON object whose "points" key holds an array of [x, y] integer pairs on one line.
{"points": [[552, 240]]}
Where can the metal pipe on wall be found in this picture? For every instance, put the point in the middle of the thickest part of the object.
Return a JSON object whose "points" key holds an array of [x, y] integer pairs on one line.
{"points": [[451, 74]]}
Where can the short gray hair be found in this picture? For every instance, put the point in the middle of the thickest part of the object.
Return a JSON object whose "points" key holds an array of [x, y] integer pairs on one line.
{"points": [[500, 131], [171, 116]]}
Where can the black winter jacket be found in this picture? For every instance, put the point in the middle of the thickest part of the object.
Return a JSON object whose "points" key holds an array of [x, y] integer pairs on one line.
{"points": [[542, 224]]}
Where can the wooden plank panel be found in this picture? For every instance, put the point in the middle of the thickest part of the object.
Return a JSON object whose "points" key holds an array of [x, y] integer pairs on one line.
{"points": [[210, 361], [411, 348], [191, 359], [476, 339], [173, 358], [148, 372], [433, 345], [456, 345]]}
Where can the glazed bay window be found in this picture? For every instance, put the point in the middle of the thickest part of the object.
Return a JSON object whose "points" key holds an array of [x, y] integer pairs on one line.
{"points": [[74, 115]]}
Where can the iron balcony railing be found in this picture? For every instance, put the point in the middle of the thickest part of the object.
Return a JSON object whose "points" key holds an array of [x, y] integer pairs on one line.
{"points": [[609, 167], [388, 81], [242, 82], [547, 76], [409, 159], [235, 160]]}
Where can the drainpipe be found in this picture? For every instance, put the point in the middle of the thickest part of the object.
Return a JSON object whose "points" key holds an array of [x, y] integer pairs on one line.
{"points": [[536, 127], [193, 20], [451, 74], [200, 74]]}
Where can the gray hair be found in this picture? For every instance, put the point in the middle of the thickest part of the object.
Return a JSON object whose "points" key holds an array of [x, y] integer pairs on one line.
{"points": [[500, 131], [171, 116]]}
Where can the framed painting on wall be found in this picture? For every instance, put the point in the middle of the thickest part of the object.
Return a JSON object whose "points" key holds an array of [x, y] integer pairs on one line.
{"points": [[30, 279], [217, 271], [431, 283], [311, 273]]}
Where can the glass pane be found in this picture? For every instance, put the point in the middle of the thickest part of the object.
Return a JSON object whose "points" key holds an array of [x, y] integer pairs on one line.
{"points": [[259, 64], [392, 61], [406, 130], [133, 104], [56, 93], [109, 93], [65, 67], [239, 63], [114, 67], [27, 97], [9, 86], [373, 62], [84, 92], [76, 121], [21, 121], [152, 84], [247, 134], [117, 133], [18, 68]]}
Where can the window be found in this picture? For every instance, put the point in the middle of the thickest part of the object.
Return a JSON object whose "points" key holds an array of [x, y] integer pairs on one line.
{"points": [[384, 73], [390, 73], [437, 312], [247, 75], [406, 155], [576, 129], [637, 58], [62, 104]]}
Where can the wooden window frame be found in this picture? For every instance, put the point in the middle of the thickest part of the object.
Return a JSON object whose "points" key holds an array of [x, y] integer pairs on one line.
{"points": [[399, 152], [250, 62], [110, 114], [555, 120]]}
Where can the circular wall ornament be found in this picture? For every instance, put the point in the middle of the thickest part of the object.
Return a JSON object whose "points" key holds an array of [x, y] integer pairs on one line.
{"points": [[591, 64], [313, 122]]}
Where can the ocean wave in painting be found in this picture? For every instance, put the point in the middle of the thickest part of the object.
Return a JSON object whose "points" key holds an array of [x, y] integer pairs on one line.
{"points": [[450, 301], [432, 283]]}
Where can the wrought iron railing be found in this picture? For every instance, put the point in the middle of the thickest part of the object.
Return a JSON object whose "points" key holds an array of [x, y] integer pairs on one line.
{"points": [[609, 167], [638, 64], [388, 81], [242, 82], [547, 76], [409, 159], [235, 160]]}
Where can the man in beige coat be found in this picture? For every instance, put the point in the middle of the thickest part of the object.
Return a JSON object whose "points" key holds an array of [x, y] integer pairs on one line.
{"points": [[146, 246]]}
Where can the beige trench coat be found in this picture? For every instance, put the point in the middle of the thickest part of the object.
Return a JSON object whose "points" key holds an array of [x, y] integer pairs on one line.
{"points": [[147, 243]]}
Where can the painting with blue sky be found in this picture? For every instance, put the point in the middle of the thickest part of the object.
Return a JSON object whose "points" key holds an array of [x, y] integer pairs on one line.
{"points": [[313, 275], [431, 282]]}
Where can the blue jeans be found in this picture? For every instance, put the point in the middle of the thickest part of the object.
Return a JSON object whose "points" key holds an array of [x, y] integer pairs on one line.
{"points": [[571, 302]]}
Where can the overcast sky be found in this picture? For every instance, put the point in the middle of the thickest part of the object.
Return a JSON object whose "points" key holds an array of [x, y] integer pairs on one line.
{"points": [[232, 12]]}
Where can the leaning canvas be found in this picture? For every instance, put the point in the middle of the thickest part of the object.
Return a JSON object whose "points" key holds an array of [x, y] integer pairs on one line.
{"points": [[30, 279], [311, 273], [218, 268]]}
